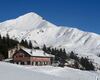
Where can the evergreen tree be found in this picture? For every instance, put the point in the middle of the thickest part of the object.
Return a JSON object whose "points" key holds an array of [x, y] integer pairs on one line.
{"points": [[26, 44], [5, 44], [86, 64], [22, 42], [44, 48], [30, 45], [73, 56], [63, 57]]}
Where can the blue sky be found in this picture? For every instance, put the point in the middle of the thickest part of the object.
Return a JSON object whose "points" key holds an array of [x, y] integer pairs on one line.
{"points": [[82, 14]]}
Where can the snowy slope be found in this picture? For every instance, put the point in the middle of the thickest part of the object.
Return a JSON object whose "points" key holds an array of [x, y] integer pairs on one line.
{"points": [[33, 27], [67, 73], [14, 72], [17, 72]]}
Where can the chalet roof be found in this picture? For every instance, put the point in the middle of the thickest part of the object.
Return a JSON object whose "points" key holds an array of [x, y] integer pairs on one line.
{"points": [[34, 52]]}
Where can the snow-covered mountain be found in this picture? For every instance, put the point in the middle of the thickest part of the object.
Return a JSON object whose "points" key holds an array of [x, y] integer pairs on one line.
{"points": [[33, 27]]}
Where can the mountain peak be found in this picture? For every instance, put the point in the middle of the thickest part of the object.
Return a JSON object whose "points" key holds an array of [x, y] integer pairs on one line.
{"points": [[25, 22], [29, 15]]}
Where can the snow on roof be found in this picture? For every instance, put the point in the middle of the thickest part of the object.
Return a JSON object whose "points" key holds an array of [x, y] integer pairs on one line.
{"points": [[34, 52], [7, 60]]}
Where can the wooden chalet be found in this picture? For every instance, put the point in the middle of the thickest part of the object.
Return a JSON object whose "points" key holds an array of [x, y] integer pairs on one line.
{"points": [[26, 56]]}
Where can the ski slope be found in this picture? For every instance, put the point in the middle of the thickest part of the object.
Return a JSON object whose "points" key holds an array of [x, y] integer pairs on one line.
{"points": [[16, 72]]}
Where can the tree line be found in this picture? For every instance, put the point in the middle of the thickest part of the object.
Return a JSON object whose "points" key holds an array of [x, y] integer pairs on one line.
{"points": [[60, 54], [7, 43], [61, 57], [86, 64]]}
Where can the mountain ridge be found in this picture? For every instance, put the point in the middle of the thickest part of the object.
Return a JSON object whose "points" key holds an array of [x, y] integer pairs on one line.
{"points": [[33, 27]]}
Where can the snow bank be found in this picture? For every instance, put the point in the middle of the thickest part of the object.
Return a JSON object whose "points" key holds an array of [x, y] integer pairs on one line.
{"points": [[15, 72]]}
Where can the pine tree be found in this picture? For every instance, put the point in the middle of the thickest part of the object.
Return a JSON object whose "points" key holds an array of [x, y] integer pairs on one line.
{"points": [[30, 45], [73, 56], [22, 42], [63, 57], [44, 48], [88, 65], [5, 44], [26, 44]]}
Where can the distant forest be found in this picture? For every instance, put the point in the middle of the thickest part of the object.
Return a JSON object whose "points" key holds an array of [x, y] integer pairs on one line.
{"points": [[61, 57], [7, 43]]}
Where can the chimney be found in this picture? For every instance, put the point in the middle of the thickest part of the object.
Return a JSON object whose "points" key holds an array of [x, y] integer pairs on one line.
{"points": [[18, 46]]}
